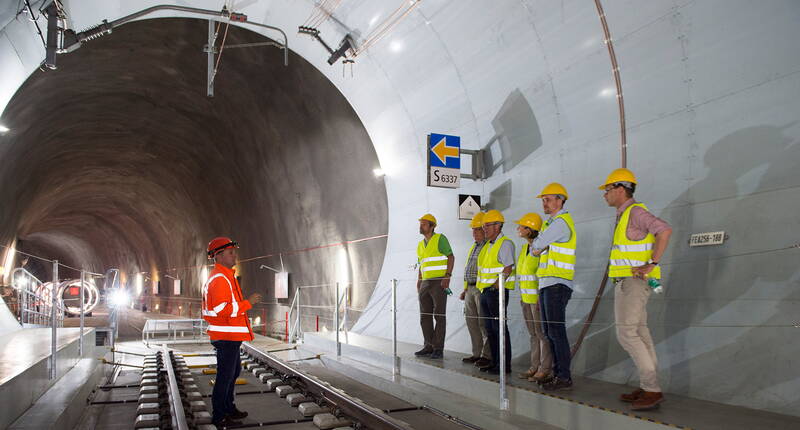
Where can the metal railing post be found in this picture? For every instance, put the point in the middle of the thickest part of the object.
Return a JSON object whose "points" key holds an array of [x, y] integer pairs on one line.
{"points": [[395, 363], [503, 393], [345, 298], [336, 322], [80, 341], [299, 332], [54, 333]]}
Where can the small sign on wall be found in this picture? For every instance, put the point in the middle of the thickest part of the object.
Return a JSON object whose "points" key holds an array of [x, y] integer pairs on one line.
{"points": [[176, 287], [282, 285], [706, 239], [468, 206]]}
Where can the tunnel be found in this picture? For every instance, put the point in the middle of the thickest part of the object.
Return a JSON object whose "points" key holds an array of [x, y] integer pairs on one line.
{"points": [[120, 160]]}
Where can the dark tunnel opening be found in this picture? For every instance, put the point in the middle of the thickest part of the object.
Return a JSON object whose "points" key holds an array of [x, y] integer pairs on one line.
{"points": [[119, 160]]}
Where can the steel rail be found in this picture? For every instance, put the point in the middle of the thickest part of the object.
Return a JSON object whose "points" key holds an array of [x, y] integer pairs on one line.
{"points": [[174, 393], [356, 409]]}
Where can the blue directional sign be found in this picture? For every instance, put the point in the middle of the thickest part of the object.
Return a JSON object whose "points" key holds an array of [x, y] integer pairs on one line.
{"points": [[444, 151]]}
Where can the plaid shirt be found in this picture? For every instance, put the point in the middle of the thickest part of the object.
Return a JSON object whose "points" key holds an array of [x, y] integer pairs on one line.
{"points": [[471, 272]]}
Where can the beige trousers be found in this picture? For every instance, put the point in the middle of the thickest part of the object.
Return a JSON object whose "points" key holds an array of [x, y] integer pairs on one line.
{"points": [[476, 326], [630, 310], [541, 356]]}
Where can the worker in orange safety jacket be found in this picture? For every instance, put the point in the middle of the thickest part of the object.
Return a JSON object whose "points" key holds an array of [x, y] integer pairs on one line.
{"points": [[225, 310]]}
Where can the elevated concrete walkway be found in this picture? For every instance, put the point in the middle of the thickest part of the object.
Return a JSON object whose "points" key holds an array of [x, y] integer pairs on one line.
{"points": [[590, 404]]}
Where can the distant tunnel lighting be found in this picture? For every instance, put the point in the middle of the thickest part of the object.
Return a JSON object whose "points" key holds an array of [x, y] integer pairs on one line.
{"points": [[257, 321], [139, 283], [4, 129], [396, 46], [378, 172], [607, 92], [118, 298]]}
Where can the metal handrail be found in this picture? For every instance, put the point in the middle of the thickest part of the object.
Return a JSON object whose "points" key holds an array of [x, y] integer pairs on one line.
{"points": [[174, 393], [155, 326]]}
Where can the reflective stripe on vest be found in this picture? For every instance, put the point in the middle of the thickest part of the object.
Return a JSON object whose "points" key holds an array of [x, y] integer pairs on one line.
{"points": [[626, 254], [431, 259], [558, 259], [528, 283], [215, 312], [489, 267], [229, 328]]}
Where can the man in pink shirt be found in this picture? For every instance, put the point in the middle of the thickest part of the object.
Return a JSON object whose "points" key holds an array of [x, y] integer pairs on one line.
{"points": [[640, 239]]}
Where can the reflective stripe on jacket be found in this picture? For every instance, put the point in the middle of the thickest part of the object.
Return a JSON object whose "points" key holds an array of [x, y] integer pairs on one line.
{"points": [[490, 268], [528, 283], [224, 308], [626, 253], [558, 259], [433, 264]]}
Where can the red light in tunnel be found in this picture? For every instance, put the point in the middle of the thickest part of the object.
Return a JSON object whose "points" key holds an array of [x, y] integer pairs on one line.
{"points": [[74, 291]]}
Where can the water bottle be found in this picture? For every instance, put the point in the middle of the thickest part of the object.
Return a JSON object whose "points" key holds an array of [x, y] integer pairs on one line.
{"points": [[655, 285], [448, 291]]}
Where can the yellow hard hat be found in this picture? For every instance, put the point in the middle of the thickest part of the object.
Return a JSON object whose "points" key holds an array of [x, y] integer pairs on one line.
{"points": [[618, 175], [553, 188], [531, 220], [477, 220], [428, 217], [493, 215]]}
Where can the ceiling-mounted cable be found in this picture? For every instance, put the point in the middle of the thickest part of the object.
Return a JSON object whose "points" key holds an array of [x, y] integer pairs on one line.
{"points": [[387, 25]]}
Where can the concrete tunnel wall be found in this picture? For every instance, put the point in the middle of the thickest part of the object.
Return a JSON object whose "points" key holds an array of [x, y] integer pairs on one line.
{"points": [[711, 94]]}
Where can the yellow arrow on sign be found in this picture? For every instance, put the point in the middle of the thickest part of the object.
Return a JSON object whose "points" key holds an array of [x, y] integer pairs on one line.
{"points": [[442, 150]]}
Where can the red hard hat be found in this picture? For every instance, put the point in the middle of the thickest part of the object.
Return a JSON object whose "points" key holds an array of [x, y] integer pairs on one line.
{"points": [[217, 244]]}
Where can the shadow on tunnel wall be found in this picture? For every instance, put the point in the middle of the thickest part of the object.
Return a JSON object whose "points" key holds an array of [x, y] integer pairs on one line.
{"points": [[118, 159], [723, 327]]}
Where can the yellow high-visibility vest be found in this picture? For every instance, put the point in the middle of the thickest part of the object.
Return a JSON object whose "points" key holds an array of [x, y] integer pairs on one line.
{"points": [[432, 263], [626, 253], [489, 267], [528, 283], [480, 255], [558, 259]]}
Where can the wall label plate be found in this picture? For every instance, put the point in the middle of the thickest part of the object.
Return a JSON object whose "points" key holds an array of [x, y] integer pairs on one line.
{"points": [[706, 239]]}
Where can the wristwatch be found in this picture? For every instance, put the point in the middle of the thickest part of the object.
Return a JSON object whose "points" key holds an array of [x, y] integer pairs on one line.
{"points": [[654, 263]]}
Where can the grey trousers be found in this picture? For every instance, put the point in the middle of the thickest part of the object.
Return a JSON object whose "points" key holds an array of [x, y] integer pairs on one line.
{"points": [[432, 306], [475, 325], [541, 356], [630, 312]]}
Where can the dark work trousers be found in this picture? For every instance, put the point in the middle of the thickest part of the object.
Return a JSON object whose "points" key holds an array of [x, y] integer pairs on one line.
{"points": [[229, 365], [432, 300], [490, 308], [554, 308]]}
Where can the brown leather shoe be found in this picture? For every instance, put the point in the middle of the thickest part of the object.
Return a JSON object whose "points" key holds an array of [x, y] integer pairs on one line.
{"points": [[470, 359], [648, 400], [632, 397], [482, 362], [540, 376], [527, 374]]}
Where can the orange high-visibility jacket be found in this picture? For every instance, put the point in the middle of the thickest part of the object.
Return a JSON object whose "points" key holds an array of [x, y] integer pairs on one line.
{"points": [[224, 307]]}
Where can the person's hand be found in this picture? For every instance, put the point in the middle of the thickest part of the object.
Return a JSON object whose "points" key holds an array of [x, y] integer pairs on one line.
{"points": [[254, 298], [462, 295], [445, 283], [642, 271]]}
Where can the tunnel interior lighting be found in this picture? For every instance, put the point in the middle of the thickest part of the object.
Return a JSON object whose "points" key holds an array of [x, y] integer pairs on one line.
{"points": [[118, 298], [4, 129], [378, 172]]}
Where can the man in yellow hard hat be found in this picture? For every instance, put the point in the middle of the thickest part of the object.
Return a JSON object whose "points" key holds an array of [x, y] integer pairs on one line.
{"points": [[541, 367], [640, 239], [496, 262], [435, 269], [481, 354], [556, 246]]}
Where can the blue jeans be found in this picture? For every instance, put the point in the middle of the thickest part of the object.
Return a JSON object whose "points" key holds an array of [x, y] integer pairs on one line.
{"points": [[229, 365], [554, 306], [490, 308]]}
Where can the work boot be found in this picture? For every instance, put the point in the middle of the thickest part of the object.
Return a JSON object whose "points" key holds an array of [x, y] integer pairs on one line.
{"points": [[424, 352], [648, 400], [527, 374], [237, 414], [437, 354], [227, 422], [482, 362], [558, 384], [470, 359], [632, 397]]}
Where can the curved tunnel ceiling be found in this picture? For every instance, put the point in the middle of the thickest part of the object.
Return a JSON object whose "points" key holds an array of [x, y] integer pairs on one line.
{"points": [[118, 159]]}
